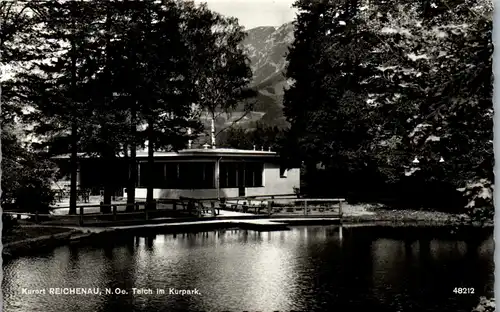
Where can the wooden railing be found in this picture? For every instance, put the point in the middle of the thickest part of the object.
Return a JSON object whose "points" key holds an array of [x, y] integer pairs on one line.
{"points": [[103, 211], [140, 209], [271, 204], [196, 206], [80, 212], [306, 205]]}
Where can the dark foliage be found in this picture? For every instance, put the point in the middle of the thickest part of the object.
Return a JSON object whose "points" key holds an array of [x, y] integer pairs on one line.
{"points": [[9, 225]]}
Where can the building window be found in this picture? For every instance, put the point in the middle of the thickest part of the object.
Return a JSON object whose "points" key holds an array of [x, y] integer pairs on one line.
{"points": [[183, 175], [233, 175], [171, 175], [228, 175], [253, 174], [283, 171], [196, 175]]}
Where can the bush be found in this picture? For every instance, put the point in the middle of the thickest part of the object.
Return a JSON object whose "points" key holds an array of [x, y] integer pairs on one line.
{"points": [[26, 178], [9, 224], [480, 201], [485, 305]]}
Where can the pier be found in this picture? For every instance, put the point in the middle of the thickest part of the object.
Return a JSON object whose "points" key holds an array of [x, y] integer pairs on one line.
{"points": [[259, 225]]}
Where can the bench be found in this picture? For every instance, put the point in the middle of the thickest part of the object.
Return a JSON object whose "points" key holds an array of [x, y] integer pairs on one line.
{"points": [[189, 204], [84, 195]]}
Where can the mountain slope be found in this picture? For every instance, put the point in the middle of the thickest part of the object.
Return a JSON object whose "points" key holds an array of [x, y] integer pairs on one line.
{"points": [[267, 48]]}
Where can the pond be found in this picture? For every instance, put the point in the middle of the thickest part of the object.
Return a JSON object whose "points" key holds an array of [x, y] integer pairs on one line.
{"points": [[305, 269]]}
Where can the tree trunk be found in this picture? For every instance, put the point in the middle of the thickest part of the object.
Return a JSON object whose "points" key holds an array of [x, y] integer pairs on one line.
{"points": [[108, 179], [107, 157], [127, 161], [108, 153], [132, 176], [73, 169], [150, 185], [74, 136]]}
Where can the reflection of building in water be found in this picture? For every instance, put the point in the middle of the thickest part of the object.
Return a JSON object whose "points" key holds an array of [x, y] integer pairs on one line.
{"points": [[150, 239]]}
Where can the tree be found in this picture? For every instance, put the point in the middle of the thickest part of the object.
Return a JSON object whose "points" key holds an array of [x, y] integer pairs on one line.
{"points": [[190, 56], [236, 137], [220, 67], [57, 85], [378, 84], [26, 175], [15, 25], [441, 67], [261, 137], [326, 103], [164, 88], [125, 62], [108, 132]]}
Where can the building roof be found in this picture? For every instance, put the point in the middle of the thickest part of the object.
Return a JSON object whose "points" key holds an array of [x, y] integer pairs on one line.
{"points": [[196, 152]]}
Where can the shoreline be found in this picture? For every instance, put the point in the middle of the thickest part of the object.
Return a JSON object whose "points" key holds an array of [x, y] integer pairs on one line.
{"points": [[89, 235]]}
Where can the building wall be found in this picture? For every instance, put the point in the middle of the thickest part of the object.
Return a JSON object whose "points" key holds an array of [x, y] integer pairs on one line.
{"points": [[274, 184], [176, 193]]}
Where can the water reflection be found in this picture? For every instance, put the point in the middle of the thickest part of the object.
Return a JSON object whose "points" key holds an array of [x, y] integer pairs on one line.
{"points": [[306, 269]]}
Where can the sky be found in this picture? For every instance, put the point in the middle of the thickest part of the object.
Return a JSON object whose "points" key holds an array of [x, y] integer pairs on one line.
{"points": [[254, 13]]}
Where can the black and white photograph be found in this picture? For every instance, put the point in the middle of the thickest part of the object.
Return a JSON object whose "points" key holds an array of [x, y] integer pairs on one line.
{"points": [[247, 155]]}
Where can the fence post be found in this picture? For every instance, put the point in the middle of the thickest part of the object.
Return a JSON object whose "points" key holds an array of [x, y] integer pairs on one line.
{"points": [[81, 216], [269, 207], [212, 204], [114, 212], [146, 211], [305, 207], [341, 234]]}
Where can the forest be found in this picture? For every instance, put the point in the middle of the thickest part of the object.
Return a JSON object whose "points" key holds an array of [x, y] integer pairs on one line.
{"points": [[103, 78], [389, 101]]}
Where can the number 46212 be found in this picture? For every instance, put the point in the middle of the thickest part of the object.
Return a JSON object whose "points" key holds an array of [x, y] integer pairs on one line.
{"points": [[463, 291]]}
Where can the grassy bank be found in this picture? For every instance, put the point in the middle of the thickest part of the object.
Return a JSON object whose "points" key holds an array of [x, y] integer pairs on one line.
{"points": [[379, 213], [27, 232], [28, 239]]}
